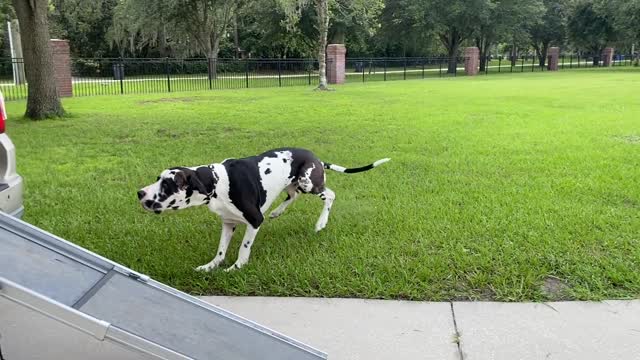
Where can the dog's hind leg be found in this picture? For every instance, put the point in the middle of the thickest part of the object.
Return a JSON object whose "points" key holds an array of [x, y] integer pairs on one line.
{"points": [[327, 196], [245, 248], [292, 194], [225, 239]]}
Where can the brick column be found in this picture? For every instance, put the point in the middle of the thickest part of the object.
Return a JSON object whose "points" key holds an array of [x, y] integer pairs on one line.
{"points": [[553, 57], [471, 61], [607, 56], [62, 66], [335, 63]]}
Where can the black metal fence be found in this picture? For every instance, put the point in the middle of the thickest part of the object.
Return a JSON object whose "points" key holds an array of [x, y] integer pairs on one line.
{"points": [[384, 69], [130, 76], [102, 76]]}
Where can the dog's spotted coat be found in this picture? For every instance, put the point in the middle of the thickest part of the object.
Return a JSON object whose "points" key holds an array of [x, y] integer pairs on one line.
{"points": [[240, 191]]}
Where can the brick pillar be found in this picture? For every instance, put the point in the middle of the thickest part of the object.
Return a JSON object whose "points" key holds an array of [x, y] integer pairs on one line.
{"points": [[607, 56], [471, 61], [335, 63], [553, 57], [62, 66]]}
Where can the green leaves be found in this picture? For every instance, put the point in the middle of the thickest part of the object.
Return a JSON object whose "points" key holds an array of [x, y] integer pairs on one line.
{"points": [[590, 26]]}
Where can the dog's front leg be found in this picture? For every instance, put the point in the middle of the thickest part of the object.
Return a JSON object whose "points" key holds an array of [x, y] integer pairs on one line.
{"points": [[245, 248], [225, 239]]}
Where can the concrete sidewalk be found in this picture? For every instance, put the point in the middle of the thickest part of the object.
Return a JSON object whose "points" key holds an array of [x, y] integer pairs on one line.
{"points": [[352, 329]]}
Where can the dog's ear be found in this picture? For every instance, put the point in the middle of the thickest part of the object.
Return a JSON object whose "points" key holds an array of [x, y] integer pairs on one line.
{"points": [[181, 180], [195, 183]]}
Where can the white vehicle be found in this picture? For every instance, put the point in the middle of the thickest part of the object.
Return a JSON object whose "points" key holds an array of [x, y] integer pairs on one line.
{"points": [[10, 181]]}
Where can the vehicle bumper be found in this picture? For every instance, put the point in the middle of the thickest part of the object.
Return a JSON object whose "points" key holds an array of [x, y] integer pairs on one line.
{"points": [[18, 212], [11, 197]]}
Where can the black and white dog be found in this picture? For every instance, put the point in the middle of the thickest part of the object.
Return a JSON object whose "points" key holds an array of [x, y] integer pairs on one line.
{"points": [[241, 191]]}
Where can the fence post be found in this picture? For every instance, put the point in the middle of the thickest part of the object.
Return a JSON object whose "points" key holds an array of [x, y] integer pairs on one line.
{"points": [[522, 64], [62, 66], [471, 61], [500, 64], [246, 72], [309, 70], [440, 63], [336, 60], [121, 73], [362, 63], [279, 75], [166, 68], [607, 57], [554, 55], [486, 65], [423, 60], [385, 69]]}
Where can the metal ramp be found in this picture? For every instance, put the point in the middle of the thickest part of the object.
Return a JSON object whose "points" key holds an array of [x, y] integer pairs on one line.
{"points": [[60, 301]]}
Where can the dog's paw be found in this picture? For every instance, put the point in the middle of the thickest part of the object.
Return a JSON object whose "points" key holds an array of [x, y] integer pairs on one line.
{"points": [[320, 226], [274, 214], [206, 267], [232, 268]]}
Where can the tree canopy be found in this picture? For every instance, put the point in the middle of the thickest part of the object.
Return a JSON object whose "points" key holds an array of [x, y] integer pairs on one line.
{"points": [[289, 28]]}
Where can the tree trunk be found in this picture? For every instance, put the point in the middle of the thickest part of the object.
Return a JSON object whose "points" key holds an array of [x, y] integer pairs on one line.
{"points": [[322, 7], [483, 47], [162, 42], [236, 39], [542, 52], [451, 42], [452, 52], [514, 55], [42, 96], [338, 35], [597, 54], [212, 57]]}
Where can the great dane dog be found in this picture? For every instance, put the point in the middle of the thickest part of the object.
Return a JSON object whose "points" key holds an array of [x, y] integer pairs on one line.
{"points": [[240, 191]]}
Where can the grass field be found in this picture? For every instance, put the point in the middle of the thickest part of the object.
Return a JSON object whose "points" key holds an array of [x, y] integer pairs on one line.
{"points": [[499, 187]]}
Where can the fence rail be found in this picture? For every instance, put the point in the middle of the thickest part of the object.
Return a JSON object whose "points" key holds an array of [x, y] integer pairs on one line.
{"points": [[115, 76]]}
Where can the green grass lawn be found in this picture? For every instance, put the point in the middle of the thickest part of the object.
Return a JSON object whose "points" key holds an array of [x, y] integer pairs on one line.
{"points": [[497, 185]]}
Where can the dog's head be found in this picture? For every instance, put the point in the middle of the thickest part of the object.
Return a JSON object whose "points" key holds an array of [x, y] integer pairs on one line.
{"points": [[178, 188]]}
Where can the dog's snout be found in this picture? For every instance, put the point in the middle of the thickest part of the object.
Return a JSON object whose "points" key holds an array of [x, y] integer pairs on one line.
{"points": [[141, 194]]}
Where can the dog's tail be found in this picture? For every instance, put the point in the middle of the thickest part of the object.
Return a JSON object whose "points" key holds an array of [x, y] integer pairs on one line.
{"points": [[341, 169]]}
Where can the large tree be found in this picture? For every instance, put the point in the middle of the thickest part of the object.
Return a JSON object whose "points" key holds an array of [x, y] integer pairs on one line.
{"points": [[627, 19], [264, 30], [591, 28], [42, 96], [84, 23], [293, 10], [402, 32], [453, 21], [550, 29], [502, 21], [354, 23], [194, 26]]}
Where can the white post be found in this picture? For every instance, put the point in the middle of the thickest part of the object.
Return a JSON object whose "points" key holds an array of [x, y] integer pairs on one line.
{"points": [[16, 52], [13, 53]]}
